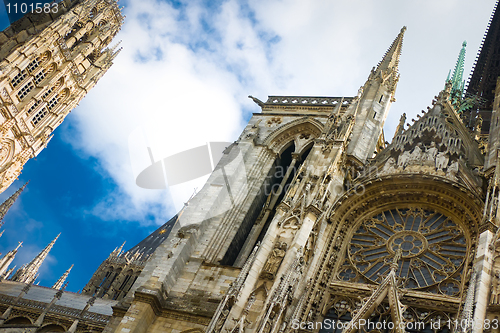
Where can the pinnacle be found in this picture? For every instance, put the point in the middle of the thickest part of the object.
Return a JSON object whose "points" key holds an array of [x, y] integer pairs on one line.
{"points": [[29, 272], [5, 206], [391, 57], [456, 80], [61, 282]]}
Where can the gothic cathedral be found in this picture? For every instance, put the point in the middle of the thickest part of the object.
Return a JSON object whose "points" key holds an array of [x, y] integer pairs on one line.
{"points": [[48, 63], [311, 221]]}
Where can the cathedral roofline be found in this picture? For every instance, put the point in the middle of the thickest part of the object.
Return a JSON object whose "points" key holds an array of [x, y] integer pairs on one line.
{"points": [[149, 244]]}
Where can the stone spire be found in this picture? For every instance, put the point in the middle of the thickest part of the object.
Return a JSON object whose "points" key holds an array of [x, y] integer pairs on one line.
{"points": [[28, 273], [401, 126], [58, 285], [390, 61], [375, 99], [8, 273], [5, 206], [7, 259]]}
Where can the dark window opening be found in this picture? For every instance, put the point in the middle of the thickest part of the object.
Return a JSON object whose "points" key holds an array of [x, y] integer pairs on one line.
{"points": [[255, 212], [287, 160]]}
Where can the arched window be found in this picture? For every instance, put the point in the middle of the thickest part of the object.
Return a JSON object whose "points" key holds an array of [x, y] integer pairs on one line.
{"points": [[18, 321], [52, 328], [246, 237], [30, 69], [25, 90], [38, 117], [16, 80]]}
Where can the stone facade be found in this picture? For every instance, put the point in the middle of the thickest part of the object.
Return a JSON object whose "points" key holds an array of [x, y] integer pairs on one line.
{"points": [[309, 219]]}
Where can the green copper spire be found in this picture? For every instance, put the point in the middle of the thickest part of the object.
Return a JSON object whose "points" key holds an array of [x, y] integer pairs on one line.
{"points": [[457, 81], [458, 73]]}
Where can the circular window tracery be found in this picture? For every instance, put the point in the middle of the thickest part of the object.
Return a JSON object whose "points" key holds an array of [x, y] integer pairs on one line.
{"points": [[433, 247]]}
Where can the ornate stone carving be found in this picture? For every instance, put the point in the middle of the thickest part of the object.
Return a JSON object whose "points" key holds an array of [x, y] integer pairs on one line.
{"points": [[253, 131], [495, 288], [403, 159], [274, 121], [389, 166], [441, 160], [274, 261], [6, 150]]}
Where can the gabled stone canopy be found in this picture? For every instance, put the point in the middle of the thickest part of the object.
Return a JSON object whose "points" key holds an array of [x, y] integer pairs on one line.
{"points": [[436, 144]]}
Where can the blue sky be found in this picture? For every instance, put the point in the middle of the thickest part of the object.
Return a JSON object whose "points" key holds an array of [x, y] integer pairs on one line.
{"points": [[183, 79]]}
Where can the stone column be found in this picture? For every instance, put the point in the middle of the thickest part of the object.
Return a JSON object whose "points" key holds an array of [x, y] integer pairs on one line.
{"points": [[483, 267]]}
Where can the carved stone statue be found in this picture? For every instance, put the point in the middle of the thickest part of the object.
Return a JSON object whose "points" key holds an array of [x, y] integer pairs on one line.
{"points": [[274, 260], [495, 288], [441, 160], [335, 128], [389, 166], [453, 168], [416, 154], [403, 159], [321, 191], [431, 153], [360, 91], [478, 125], [293, 189]]}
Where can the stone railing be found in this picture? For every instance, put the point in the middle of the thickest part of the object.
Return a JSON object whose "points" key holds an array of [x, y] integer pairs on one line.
{"points": [[308, 101], [62, 310]]}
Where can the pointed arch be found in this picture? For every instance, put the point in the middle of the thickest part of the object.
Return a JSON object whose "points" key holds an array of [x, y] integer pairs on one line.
{"points": [[7, 148], [281, 138]]}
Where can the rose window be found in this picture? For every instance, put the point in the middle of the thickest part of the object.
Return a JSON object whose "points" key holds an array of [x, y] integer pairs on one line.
{"points": [[433, 247]]}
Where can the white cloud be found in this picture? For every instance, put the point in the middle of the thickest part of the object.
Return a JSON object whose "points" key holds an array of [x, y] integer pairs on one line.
{"points": [[185, 72]]}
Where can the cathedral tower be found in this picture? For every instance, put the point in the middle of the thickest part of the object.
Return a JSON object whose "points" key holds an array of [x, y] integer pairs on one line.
{"points": [[48, 63]]}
